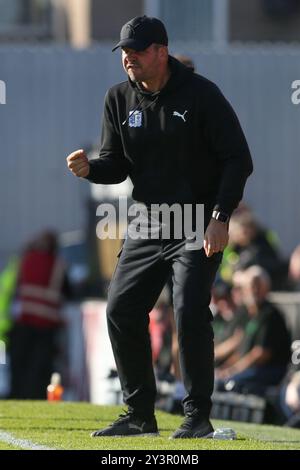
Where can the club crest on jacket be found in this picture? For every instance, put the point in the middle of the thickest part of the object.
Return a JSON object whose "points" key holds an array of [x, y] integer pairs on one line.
{"points": [[135, 119]]}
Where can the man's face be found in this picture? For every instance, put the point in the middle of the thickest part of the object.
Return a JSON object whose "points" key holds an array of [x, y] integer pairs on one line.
{"points": [[142, 65], [254, 292]]}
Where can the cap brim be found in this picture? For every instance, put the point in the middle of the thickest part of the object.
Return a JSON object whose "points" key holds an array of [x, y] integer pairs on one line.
{"points": [[132, 44]]}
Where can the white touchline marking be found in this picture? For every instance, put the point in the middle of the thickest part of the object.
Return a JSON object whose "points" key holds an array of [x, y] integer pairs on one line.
{"points": [[22, 443]]}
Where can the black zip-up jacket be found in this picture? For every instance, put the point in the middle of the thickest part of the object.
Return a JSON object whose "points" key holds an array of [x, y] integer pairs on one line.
{"points": [[182, 144]]}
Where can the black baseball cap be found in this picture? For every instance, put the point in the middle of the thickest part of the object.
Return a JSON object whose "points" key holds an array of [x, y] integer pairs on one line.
{"points": [[142, 31]]}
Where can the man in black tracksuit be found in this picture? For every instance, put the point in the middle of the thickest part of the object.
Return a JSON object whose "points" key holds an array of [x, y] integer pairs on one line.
{"points": [[178, 139]]}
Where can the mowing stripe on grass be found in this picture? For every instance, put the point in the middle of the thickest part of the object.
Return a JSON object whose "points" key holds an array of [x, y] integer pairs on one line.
{"points": [[22, 443]]}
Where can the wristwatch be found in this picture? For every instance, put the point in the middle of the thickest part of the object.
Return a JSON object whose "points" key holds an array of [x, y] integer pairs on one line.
{"points": [[220, 216]]}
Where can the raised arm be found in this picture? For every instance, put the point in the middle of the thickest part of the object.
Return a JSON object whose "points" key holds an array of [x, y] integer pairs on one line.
{"points": [[111, 167]]}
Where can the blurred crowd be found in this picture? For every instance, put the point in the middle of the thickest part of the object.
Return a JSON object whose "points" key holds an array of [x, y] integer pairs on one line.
{"points": [[252, 341]]}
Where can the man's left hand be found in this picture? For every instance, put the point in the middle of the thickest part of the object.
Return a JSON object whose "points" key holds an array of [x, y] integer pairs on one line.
{"points": [[215, 237]]}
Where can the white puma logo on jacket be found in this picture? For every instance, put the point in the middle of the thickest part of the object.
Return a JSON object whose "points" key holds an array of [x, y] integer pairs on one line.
{"points": [[176, 113]]}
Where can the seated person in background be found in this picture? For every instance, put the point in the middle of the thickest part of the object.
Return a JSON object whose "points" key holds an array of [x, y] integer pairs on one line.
{"points": [[290, 400], [228, 322], [264, 351], [237, 288], [249, 245], [286, 398]]}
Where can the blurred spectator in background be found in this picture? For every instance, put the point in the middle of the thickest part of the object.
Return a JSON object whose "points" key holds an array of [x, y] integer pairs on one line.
{"points": [[294, 269], [250, 244], [290, 400], [264, 351], [165, 354], [41, 285], [237, 280], [286, 398], [187, 61], [228, 324], [160, 328]]}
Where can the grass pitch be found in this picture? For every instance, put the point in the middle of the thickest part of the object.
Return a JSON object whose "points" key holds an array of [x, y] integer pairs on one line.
{"points": [[66, 426]]}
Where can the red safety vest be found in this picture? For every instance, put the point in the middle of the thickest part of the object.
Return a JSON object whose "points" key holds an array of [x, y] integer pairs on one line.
{"points": [[40, 288]]}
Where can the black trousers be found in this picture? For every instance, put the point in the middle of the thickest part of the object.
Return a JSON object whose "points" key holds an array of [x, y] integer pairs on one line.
{"points": [[142, 270], [32, 354]]}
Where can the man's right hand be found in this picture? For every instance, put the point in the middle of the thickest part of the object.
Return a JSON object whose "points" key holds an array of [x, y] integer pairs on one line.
{"points": [[78, 163]]}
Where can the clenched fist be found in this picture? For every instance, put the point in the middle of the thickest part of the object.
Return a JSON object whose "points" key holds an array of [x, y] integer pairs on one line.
{"points": [[78, 163]]}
